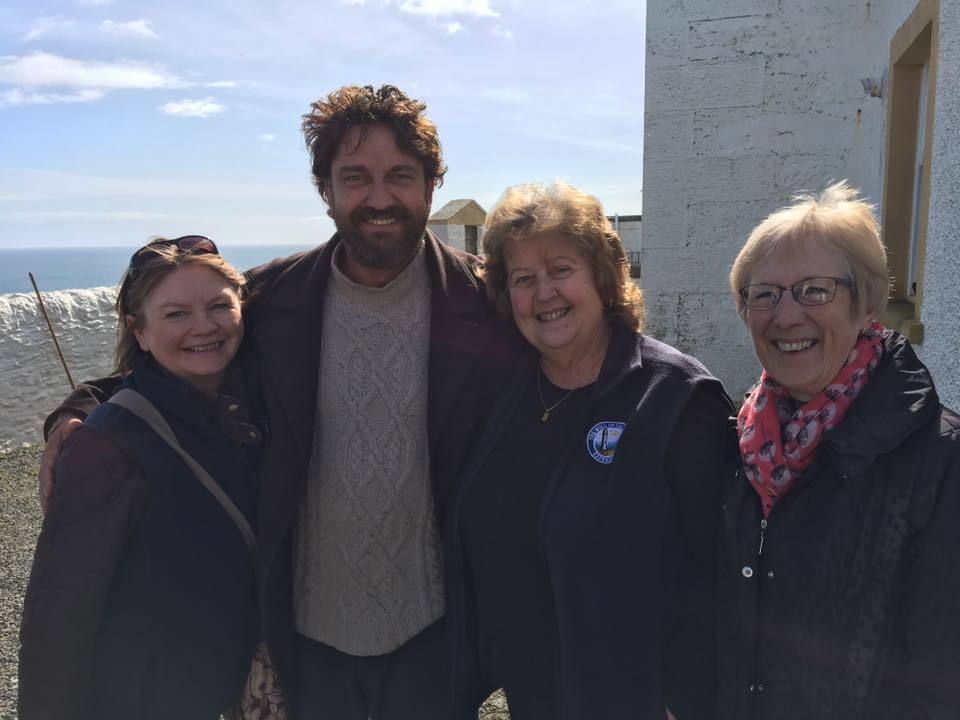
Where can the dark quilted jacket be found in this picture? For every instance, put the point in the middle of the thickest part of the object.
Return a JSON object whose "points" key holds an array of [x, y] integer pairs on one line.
{"points": [[846, 604]]}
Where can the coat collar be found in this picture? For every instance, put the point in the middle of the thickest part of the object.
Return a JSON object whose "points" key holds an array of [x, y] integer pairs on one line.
{"points": [[898, 399], [462, 329], [286, 322], [624, 356]]}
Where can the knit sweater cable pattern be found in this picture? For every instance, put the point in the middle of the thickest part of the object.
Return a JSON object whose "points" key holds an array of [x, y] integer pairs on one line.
{"points": [[368, 574]]}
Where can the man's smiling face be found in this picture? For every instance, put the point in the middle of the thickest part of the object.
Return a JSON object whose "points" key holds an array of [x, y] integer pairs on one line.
{"points": [[379, 200]]}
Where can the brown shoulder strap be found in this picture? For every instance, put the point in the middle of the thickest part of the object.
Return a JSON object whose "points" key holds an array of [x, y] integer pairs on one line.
{"points": [[141, 407]]}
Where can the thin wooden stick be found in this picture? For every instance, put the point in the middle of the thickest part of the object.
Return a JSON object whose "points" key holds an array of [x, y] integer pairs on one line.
{"points": [[53, 335]]}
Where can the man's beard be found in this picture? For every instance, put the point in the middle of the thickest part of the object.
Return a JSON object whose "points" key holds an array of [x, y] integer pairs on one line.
{"points": [[381, 250]]}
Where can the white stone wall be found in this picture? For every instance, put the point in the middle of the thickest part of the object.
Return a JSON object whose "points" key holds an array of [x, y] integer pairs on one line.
{"points": [[748, 102], [941, 281], [31, 376]]}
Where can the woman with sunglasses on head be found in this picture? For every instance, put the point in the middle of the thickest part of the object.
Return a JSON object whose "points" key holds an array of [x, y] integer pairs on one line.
{"points": [[141, 602], [840, 558]]}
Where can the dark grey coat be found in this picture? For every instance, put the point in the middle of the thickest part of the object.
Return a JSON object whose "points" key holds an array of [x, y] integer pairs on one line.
{"points": [[850, 610]]}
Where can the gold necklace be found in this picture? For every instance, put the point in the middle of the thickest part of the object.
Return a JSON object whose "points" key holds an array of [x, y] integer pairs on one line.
{"points": [[590, 378], [548, 410]]}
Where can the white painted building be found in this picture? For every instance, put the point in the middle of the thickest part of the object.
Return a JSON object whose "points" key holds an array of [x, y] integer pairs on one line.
{"points": [[750, 101]]}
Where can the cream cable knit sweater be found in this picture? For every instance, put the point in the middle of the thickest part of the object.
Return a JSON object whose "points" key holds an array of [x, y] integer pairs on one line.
{"points": [[367, 573]]}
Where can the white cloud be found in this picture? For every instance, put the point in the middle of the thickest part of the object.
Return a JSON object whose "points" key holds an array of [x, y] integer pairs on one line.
{"points": [[192, 108], [24, 197], [49, 26], [221, 84], [16, 96], [41, 68], [73, 29], [72, 185], [267, 137], [507, 95], [503, 32], [134, 28], [571, 136], [454, 27], [440, 8]]}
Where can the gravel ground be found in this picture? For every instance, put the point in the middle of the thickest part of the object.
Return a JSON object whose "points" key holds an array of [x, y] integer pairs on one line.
{"points": [[19, 525]]}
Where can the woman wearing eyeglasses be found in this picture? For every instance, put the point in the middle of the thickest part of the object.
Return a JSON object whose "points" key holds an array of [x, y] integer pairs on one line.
{"points": [[840, 560], [141, 602]]}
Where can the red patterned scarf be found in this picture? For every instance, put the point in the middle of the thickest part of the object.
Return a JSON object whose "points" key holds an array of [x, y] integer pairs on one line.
{"points": [[776, 443]]}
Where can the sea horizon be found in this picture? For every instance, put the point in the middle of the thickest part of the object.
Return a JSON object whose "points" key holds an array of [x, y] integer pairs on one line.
{"points": [[78, 267]]}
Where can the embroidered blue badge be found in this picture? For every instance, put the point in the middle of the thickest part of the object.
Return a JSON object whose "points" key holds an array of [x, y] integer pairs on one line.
{"points": [[602, 440]]}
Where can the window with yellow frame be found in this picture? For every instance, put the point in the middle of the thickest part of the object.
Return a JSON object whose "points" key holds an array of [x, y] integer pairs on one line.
{"points": [[906, 184]]}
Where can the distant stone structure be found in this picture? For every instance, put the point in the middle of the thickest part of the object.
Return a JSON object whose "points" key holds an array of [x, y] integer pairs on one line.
{"points": [[628, 228], [750, 101], [459, 224]]}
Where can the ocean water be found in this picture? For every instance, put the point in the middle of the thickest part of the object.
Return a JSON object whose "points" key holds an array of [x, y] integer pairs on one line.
{"points": [[83, 267]]}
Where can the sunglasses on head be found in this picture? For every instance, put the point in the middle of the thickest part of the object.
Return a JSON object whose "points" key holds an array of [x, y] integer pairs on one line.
{"points": [[187, 245]]}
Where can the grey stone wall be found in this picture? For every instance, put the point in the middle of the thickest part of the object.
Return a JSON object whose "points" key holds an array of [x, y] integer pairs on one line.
{"points": [[452, 235], [747, 103], [456, 236], [941, 300], [440, 230]]}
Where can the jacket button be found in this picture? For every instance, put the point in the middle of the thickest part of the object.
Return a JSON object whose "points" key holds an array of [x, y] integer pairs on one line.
{"points": [[756, 689], [770, 574], [233, 407], [747, 571]]}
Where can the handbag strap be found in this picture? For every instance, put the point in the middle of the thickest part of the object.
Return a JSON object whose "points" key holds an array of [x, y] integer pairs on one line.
{"points": [[141, 407]]}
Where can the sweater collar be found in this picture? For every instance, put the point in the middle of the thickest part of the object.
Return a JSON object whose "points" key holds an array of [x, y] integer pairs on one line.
{"points": [[411, 280]]}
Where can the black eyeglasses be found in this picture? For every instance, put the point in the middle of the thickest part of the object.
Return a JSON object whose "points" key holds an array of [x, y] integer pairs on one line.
{"points": [[809, 291], [188, 245]]}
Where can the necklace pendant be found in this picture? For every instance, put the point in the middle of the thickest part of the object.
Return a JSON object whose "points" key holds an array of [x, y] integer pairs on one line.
{"points": [[545, 416]]}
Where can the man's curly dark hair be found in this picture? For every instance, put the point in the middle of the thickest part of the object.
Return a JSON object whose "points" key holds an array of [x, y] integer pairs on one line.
{"points": [[329, 119]]}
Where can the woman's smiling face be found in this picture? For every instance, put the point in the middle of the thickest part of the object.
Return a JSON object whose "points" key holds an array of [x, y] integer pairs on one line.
{"points": [[804, 347], [553, 296], [191, 324]]}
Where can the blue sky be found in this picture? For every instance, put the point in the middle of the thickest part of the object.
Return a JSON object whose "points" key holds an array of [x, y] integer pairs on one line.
{"points": [[124, 119]]}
